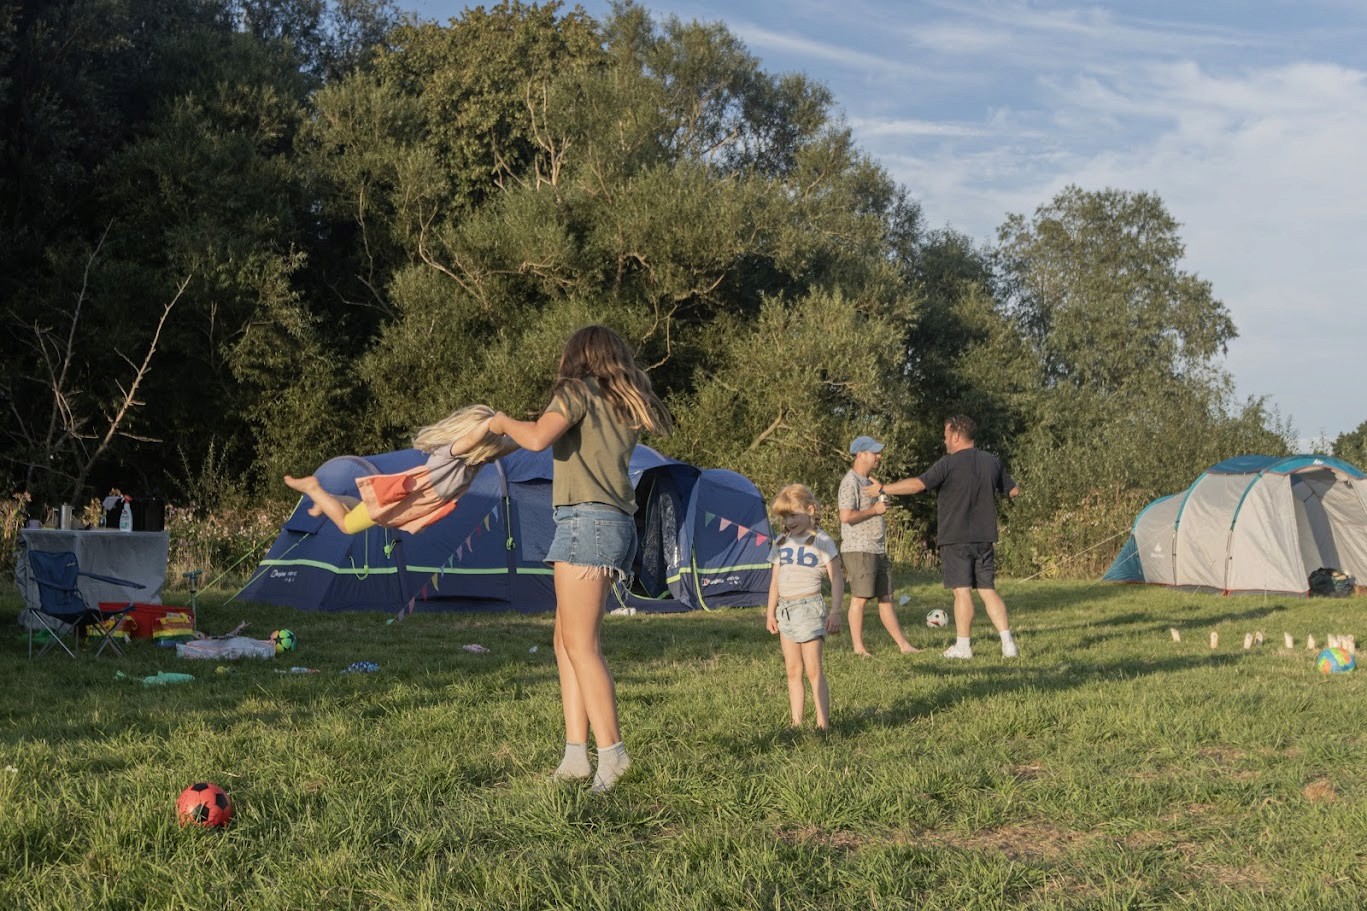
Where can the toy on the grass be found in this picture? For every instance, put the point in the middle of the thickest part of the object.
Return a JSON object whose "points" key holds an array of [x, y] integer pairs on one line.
{"points": [[204, 804], [937, 618], [1335, 661], [284, 641]]}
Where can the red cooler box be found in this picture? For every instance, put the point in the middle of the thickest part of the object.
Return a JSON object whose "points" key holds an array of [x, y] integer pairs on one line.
{"points": [[146, 615]]}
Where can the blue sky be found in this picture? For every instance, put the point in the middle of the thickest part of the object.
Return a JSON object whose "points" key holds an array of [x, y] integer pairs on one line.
{"points": [[1247, 117]]}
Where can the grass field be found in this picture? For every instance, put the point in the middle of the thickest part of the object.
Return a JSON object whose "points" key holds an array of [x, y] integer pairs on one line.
{"points": [[1108, 767]]}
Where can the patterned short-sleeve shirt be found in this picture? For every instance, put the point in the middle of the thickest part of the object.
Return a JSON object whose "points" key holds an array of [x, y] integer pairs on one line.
{"points": [[869, 536]]}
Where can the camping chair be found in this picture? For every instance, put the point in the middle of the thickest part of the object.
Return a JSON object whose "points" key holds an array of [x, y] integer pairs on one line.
{"points": [[61, 606]]}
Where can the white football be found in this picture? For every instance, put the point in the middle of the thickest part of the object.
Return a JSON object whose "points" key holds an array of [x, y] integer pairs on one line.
{"points": [[937, 619]]}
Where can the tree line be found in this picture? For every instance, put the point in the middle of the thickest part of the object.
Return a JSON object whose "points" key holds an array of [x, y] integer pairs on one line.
{"points": [[241, 236]]}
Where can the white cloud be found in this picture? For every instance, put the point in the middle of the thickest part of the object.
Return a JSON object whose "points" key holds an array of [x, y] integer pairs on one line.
{"points": [[760, 38], [879, 127]]}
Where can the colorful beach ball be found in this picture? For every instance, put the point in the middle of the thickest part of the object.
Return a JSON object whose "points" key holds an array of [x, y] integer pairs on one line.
{"points": [[1335, 661]]}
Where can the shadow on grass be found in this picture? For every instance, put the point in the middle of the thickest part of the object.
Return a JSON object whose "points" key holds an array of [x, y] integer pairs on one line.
{"points": [[986, 681]]}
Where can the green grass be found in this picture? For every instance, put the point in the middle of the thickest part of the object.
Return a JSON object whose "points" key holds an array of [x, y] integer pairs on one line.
{"points": [[1109, 767]]}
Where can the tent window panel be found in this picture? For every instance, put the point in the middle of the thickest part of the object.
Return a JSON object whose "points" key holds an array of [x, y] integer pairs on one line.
{"points": [[1154, 540], [1347, 518], [1316, 536], [658, 534], [1265, 548], [1203, 531]]}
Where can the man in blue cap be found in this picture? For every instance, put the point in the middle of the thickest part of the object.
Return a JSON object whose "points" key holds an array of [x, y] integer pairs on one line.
{"points": [[863, 546]]}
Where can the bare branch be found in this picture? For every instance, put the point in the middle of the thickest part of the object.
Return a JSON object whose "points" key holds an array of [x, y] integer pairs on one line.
{"points": [[768, 431], [130, 399], [60, 417]]}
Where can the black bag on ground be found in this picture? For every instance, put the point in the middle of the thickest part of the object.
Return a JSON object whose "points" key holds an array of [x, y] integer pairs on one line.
{"points": [[1330, 583]]}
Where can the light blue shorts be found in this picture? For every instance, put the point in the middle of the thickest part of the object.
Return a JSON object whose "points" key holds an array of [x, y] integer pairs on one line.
{"points": [[594, 534], [802, 619]]}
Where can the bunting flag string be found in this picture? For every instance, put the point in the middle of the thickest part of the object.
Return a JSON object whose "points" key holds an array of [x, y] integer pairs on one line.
{"points": [[462, 550], [742, 531]]}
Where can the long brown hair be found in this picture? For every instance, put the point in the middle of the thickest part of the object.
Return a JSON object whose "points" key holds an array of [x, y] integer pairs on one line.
{"points": [[599, 352]]}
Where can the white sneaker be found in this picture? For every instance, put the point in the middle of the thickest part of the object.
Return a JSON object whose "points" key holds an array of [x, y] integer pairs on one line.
{"points": [[959, 651], [1009, 649]]}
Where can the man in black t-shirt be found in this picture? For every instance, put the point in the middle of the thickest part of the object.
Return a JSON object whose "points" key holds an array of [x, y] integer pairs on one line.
{"points": [[968, 481]]}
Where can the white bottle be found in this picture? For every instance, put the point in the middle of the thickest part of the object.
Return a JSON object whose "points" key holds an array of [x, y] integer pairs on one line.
{"points": [[125, 518]]}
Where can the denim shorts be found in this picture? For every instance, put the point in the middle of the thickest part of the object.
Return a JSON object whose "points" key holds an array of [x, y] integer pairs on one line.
{"points": [[594, 534], [802, 619]]}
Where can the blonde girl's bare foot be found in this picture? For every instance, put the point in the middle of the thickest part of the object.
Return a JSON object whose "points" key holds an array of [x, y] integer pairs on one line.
{"points": [[862, 654], [310, 488], [910, 650], [304, 485]]}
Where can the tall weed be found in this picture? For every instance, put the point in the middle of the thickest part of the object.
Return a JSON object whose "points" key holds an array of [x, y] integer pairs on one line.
{"points": [[1077, 541], [225, 545]]}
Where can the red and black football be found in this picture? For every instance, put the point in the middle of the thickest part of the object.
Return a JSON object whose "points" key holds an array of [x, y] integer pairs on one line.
{"points": [[204, 804]]}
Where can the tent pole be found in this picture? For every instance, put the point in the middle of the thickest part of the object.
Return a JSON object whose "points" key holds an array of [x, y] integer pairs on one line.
{"points": [[399, 568]]}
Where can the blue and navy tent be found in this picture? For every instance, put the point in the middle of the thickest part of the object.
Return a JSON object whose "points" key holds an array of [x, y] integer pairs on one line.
{"points": [[1252, 524], [704, 537]]}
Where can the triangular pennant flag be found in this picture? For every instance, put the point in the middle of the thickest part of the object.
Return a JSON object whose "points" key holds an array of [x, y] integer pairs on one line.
{"points": [[760, 539], [494, 513], [458, 552], [741, 531], [486, 523], [467, 542], [723, 525], [710, 516]]}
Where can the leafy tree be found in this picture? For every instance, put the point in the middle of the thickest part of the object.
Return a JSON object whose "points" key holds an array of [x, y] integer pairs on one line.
{"points": [[1133, 401], [329, 39], [1095, 283], [156, 133], [1351, 446], [476, 86], [580, 186], [632, 206]]}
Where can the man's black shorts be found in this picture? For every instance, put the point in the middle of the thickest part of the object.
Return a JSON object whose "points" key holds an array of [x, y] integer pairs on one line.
{"points": [[968, 565]]}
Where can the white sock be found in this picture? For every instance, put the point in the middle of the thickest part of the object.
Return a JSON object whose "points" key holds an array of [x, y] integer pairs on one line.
{"points": [[575, 765], [612, 764], [962, 642], [1006, 637]]}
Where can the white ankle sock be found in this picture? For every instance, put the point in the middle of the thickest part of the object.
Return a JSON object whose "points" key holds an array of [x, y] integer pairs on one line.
{"points": [[1006, 637], [612, 764], [575, 765], [963, 642]]}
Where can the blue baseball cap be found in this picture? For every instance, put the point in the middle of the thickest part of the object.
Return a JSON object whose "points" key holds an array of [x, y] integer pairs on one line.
{"points": [[865, 444]]}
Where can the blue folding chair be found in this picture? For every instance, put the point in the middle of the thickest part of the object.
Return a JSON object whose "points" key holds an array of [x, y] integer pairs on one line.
{"points": [[61, 606]]}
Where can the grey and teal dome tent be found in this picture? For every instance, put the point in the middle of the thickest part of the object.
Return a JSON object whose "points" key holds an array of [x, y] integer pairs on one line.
{"points": [[1252, 524]]}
